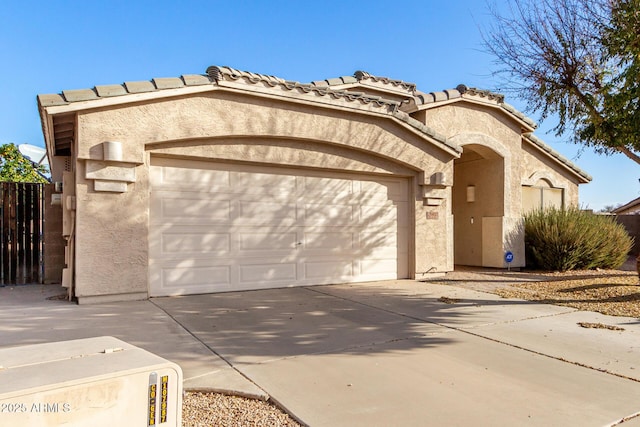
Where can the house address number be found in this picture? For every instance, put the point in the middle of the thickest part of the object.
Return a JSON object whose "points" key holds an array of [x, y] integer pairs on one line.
{"points": [[432, 215]]}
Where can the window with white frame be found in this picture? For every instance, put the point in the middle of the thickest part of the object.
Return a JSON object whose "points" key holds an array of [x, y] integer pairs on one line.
{"points": [[541, 195]]}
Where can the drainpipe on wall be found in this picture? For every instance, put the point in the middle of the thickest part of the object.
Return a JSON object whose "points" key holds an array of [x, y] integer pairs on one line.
{"points": [[68, 231], [72, 250]]}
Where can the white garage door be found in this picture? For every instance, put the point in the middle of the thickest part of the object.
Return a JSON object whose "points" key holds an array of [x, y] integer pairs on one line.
{"points": [[221, 227]]}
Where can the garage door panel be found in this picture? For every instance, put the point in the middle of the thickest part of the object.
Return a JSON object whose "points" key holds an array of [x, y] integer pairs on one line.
{"points": [[196, 242], [181, 277], [176, 207], [378, 240], [320, 270], [267, 241], [329, 241], [379, 269], [269, 212], [185, 276], [187, 242], [268, 273], [255, 180], [382, 217], [386, 189], [329, 215], [333, 187], [380, 254], [195, 209], [255, 229]]}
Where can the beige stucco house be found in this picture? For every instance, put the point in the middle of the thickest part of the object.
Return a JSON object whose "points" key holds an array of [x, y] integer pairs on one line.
{"points": [[233, 180]]}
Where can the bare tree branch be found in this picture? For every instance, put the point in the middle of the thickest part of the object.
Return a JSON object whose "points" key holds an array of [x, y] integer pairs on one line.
{"points": [[559, 56]]}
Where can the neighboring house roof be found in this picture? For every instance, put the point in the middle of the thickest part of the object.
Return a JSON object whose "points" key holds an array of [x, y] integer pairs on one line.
{"points": [[396, 98], [633, 207]]}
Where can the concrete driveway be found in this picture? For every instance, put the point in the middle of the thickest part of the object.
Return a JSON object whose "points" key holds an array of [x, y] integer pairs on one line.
{"points": [[385, 353]]}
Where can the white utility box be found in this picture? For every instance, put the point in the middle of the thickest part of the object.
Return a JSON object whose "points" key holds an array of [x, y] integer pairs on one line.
{"points": [[89, 382]]}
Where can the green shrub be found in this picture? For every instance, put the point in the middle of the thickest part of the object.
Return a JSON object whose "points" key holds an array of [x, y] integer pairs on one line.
{"points": [[571, 239]]}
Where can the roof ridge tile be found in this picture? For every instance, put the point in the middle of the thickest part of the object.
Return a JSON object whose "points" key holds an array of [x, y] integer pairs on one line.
{"points": [[77, 95], [105, 91], [140, 86], [363, 75]]}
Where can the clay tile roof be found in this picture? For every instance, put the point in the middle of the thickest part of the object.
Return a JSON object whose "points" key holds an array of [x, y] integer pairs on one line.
{"points": [[324, 88], [107, 91], [195, 80], [335, 81], [559, 157], [111, 90], [511, 109], [482, 93], [363, 75], [168, 82], [219, 73], [139, 87], [319, 88], [51, 100], [461, 91], [449, 94], [428, 98], [79, 95]]}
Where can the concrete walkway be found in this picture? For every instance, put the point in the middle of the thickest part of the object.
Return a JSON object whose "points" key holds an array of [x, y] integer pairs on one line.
{"points": [[385, 353]]}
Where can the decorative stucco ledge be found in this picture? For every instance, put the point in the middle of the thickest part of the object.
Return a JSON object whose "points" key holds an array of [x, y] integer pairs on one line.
{"points": [[434, 187], [111, 174]]}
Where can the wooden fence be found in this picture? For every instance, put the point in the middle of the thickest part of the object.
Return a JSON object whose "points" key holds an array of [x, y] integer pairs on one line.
{"points": [[22, 224], [632, 225]]}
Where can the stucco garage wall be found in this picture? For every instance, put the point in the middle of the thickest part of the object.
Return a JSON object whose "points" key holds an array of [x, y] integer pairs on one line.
{"points": [[111, 239], [112, 228]]}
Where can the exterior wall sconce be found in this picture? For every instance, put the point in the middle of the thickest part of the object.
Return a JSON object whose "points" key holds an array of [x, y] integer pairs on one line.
{"points": [[471, 193], [112, 151]]}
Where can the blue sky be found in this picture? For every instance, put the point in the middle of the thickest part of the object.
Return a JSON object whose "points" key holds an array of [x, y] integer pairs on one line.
{"points": [[50, 46]]}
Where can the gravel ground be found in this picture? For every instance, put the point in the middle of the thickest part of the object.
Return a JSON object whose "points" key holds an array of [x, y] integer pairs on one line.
{"points": [[611, 292], [214, 409]]}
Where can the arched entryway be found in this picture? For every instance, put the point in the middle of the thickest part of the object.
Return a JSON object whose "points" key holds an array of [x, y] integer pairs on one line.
{"points": [[478, 206]]}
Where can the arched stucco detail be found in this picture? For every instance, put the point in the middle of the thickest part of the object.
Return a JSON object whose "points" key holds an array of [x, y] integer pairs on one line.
{"points": [[284, 152], [482, 233], [542, 174], [492, 147], [228, 116]]}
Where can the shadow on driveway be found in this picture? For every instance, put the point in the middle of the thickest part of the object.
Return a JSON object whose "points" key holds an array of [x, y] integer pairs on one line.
{"points": [[258, 326]]}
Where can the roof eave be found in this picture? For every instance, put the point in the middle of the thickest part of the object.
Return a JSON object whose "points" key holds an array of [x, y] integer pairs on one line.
{"points": [[324, 97], [129, 98], [583, 177], [526, 125], [46, 121]]}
